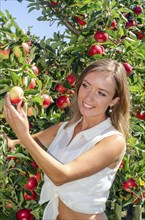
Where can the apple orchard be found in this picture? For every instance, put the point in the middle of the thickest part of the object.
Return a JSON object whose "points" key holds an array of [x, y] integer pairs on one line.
{"points": [[44, 72]]}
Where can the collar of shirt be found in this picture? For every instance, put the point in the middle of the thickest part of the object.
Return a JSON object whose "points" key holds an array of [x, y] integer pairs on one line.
{"points": [[91, 132]]}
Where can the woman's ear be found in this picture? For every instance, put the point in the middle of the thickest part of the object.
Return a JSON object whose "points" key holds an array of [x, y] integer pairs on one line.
{"points": [[114, 101]]}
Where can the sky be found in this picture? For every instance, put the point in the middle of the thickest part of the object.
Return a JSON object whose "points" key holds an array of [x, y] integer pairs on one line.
{"points": [[24, 19]]}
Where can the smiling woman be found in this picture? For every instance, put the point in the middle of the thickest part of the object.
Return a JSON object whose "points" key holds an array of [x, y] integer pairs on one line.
{"points": [[85, 152], [29, 20]]}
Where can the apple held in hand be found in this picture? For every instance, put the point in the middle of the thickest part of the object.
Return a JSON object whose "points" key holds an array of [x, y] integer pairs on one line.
{"points": [[16, 94], [31, 183], [63, 101]]}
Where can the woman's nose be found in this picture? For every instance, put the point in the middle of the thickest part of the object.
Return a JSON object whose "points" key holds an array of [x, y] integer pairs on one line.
{"points": [[90, 95]]}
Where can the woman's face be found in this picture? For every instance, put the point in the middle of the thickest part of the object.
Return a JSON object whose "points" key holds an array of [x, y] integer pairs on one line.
{"points": [[96, 94]]}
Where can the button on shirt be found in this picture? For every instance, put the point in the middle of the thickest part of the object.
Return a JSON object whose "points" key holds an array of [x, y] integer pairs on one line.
{"points": [[87, 195]]}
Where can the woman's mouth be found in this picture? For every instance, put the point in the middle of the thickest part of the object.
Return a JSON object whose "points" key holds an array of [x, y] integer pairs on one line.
{"points": [[87, 106]]}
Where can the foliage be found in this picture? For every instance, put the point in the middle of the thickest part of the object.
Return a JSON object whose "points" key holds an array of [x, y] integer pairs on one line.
{"points": [[56, 58]]}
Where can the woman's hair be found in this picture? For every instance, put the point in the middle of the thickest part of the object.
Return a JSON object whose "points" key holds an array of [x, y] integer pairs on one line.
{"points": [[120, 111]]}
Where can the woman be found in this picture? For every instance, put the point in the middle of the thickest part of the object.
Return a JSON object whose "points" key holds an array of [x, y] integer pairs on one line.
{"points": [[84, 153]]}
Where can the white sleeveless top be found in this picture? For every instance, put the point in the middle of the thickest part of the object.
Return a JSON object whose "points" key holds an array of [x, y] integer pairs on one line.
{"points": [[87, 195]]}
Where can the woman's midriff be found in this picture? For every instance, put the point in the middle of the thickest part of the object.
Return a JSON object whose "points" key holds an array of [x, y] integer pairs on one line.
{"points": [[66, 213]]}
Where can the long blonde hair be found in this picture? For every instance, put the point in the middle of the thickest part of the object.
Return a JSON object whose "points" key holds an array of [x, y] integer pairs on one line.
{"points": [[120, 111]]}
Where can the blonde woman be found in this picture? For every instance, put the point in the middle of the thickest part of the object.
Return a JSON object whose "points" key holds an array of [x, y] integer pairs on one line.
{"points": [[85, 152]]}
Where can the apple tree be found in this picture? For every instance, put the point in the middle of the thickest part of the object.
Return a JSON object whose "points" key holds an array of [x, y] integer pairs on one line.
{"points": [[47, 69]]}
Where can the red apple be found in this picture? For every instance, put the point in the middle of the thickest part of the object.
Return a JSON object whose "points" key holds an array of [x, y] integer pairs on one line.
{"points": [[140, 115], [60, 88], [32, 195], [31, 183], [16, 94], [34, 164], [32, 84], [37, 176], [128, 68], [121, 165], [140, 35], [138, 10], [130, 23], [128, 185], [53, 3], [35, 69], [71, 79], [95, 49], [113, 25], [5, 53], [26, 48], [63, 101], [23, 214], [80, 21], [46, 101], [101, 37]]}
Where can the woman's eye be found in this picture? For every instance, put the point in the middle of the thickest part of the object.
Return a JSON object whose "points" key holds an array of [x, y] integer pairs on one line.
{"points": [[102, 94], [84, 85]]}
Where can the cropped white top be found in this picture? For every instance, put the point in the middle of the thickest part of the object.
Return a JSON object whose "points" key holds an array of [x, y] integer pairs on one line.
{"points": [[87, 195]]}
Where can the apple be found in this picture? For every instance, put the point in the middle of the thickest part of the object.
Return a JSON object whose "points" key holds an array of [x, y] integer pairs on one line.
{"points": [[53, 3], [32, 195], [128, 68], [17, 52], [137, 10], [63, 101], [32, 84], [130, 23], [23, 214], [26, 48], [34, 164], [140, 35], [35, 69], [31, 183], [121, 165], [80, 21], [129, 184], [5, 53], [101, 37], [16, 94], [113, 25], [95, 49], [102, 48], [140, 115], [71, 79], [46, 101], [60, 88], [9, 204], [37, 176]]}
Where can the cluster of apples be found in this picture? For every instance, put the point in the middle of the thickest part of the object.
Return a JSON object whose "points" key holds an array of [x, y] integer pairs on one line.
{"points": [[17, 94]]}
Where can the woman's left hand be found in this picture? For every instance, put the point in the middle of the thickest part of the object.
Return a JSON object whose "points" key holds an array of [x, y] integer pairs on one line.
{"points": [[16, 118]]}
